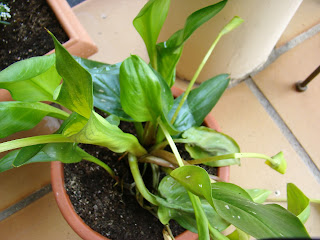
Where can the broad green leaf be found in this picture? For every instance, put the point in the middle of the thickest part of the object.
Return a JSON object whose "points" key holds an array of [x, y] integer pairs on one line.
{"points": [[205, 142], [75, 93], [199, 102], [259, 195], [106, 86], [260, 221], [143, 93], [26, 153], [149, 22], [20, 116], [6, 163], [31, 80], [169, 52], [63, 152], [176, 204], [298, 203], [100, 132], [195, 179]]}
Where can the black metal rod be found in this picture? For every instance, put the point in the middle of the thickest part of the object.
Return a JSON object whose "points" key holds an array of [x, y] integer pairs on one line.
{"points": [[302, 86]]}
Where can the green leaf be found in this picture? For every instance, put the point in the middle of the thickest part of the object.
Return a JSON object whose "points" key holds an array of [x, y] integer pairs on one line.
{"points": [[75, 93], [26, 153], [149, 22], [259, 195], [278, 163], [176, 204], [169, 52], [199, 102], [100, 132], [238, 235], [106, 86], [205, 142], [113, 119], [6, 163], [260, 221], [298, 203], [31, 80], [195, 179], [143, 93], [20, 116]]}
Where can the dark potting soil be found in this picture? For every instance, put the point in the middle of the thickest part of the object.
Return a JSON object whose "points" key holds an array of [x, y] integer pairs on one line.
{"points": [[26, 36], [110, 210]]}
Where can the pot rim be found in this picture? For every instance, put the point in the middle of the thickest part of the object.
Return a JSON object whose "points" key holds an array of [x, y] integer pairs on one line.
{"points": [[73, 219]]}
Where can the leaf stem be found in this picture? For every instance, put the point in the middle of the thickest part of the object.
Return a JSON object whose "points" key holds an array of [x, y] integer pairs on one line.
{"points": [[97, 161], [133, 163], [29, 141], [193, 80], [171, 143]]}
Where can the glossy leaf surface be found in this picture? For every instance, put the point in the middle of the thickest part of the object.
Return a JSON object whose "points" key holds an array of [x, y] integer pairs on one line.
{"points": [[199, 103], [260, 221], [175, 204], [205, 142], [143, 93], [298, 203], [31, 80], [20, 116], [169, 52], [75, 93], [106, 86], [149, 22]]}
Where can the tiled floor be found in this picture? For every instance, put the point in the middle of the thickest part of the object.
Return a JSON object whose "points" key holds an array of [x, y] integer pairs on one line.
{"points": [[239, 113]]}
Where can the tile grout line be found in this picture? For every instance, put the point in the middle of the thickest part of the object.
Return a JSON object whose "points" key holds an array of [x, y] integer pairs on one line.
{"points": [[25, 202], [294, 142]]}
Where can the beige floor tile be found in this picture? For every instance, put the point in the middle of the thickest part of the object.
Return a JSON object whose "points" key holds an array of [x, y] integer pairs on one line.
{"points": [[305, 18], [300, 111], [41, 220], [241, 116], [109, 23], [18, 183]]}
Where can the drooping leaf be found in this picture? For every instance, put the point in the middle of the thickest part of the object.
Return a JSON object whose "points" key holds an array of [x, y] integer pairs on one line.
{"points": [[75, 93], [26, 153], [6, 163], [31, 80], [195, 179], [149, 22], [259, 195], [106, 86], [169, 52], [63, 152], [199, 103], [260, 221], [205, 142], [298, 203], [143, 93], [100, 132], [176, 204], [20, 116]]}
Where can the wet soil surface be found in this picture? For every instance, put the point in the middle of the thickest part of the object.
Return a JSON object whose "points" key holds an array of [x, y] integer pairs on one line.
{"points": [[26, 36], [110, 210]]}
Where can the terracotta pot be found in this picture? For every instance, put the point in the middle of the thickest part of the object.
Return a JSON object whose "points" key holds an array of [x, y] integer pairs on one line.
{"points": [[78, 225]]}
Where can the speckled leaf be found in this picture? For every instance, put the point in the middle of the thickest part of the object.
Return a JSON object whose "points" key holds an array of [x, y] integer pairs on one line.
{"points": [[260, 221]]}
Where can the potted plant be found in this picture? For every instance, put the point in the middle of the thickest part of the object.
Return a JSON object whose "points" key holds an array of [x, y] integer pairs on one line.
{"points": [[137, 92]]}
